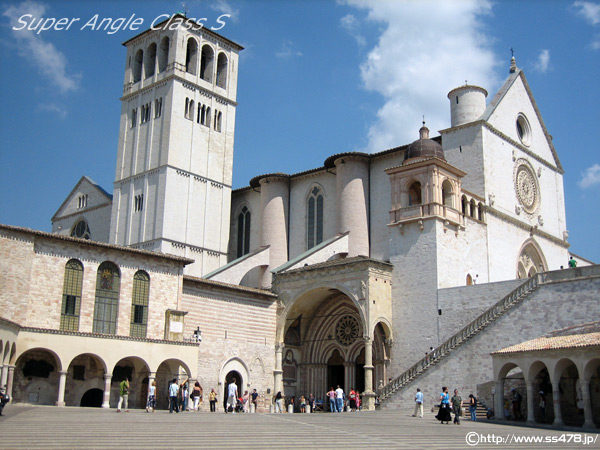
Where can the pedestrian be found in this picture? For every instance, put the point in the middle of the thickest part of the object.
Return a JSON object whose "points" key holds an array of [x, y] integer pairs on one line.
{"points": [[212, 399], [151, 404], [278, 402], [456, 406], [542, 407], [123, 395], [418, 404], [516, 404], [506, 408], [473, 407], [358, 401], [443, 414], [339, 399], [4, 399], [232, 393], [173, 392], [254, 399], [246, 401], [302, 404], [352, 399], [572, 262], [197, 395], [183, 396], [331, 396], [311, 402]]}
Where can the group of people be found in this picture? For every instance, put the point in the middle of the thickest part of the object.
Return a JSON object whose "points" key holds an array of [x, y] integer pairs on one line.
{"points": [[337, 399], [515, 402], [179, 396], [236, 403], [448, 406]]}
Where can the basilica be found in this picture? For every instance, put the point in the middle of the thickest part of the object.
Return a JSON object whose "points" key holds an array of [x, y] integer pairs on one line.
{"points": [[423, 265]]}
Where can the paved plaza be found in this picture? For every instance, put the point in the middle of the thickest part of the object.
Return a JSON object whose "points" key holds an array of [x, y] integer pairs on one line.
{"points": [[88, 428]]}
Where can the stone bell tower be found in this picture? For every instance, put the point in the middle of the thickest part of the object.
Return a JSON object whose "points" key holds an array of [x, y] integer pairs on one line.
{"points": [[172, 189]]}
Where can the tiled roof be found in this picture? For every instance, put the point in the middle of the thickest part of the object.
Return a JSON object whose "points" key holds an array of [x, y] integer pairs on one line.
{"points": [[338, 262], [554, 343]]}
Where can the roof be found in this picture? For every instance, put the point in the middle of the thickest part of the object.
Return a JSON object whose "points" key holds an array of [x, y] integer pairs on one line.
{"points": [[83, 179], [62, 237], [338, 262], [189, 20], [554, 343], [220, 284]]}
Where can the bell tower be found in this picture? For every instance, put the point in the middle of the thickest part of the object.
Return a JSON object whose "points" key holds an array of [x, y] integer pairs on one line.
{"points": [[172, 189]]}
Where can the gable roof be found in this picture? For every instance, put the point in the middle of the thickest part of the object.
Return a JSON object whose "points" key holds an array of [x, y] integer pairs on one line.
{"points": [[83, 179], [515, 74]]}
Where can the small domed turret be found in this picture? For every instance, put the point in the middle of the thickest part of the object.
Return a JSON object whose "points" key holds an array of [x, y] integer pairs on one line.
{"points": [[424, 147]]}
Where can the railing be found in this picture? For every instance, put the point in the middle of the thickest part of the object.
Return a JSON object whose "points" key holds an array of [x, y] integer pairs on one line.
{"points": [[475, 326]]}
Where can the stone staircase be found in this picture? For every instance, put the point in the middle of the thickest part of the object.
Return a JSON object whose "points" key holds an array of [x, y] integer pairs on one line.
{"points": [[458, 339]]}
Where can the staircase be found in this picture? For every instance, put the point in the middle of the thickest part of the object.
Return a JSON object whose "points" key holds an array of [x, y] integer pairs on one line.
{"points": [[472, 329]]}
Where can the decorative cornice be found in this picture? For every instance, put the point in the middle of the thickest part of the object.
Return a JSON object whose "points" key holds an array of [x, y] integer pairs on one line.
{"points": [[532, 229], [179, 171], [82, 211]]}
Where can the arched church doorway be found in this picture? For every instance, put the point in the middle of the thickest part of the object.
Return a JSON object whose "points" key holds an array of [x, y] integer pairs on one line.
{"points": [[335, 370], [92, 398], [231, 376]]}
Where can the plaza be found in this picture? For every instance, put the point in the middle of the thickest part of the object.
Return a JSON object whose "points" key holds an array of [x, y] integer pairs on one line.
{"points": [[46, 427]]}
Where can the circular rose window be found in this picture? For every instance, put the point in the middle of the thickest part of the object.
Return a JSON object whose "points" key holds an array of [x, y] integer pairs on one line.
{"points": [[526, 186], [346, 330]]}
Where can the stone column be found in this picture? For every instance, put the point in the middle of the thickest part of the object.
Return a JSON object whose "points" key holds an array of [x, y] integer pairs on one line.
{"points": [[9, 380], [278, 372], [274, 205], [499, 400], [368, 395], [106, 397], [587, 404], [556, 401], [530, 402], [62, 383], [352, 189], [3, 375]]}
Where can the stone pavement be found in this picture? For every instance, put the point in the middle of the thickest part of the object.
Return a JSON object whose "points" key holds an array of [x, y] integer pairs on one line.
{"points": [[89, 428]]}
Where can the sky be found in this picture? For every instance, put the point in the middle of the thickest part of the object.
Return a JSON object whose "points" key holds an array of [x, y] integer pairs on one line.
{"points": [[316, 78]]}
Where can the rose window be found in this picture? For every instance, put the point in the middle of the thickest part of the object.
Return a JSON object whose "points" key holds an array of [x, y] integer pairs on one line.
{"points": [[346, 330]]}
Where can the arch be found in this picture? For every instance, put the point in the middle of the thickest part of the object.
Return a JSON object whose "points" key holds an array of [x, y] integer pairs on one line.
{"points": [[163, 54], [538, 374], [472, 208], [191, 56], [37, 372], [222, 70], [106, 305], [150, 60], [464, 202], [531, 259], [480, 211], [13, 353], [314, 216], [139, 304], [206, 63], [137, 68], [568, 379], [447, 193], [136, 370], [81, 229], [85, 372], [415, 194], [244, 220], [235, 364], [71, 301], [92, 398]]}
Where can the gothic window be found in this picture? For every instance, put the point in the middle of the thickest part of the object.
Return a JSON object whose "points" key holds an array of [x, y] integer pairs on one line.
{"points": [[163, 54], [133, 117], [81, 230], [107, 299], [207, 122], [206, 63], [138, 202], [480, 212], [447, 195], [464, 203], [222, 70], [414, 194], [71, 302], [203, 118], [243, 241], [82, 201], [138, 65], [191, 56], [150, 62], [314, 224], [145, 116], [199, 113], [473, 208], [189, 109], [139, 304], [157, 108], [218, 118]]}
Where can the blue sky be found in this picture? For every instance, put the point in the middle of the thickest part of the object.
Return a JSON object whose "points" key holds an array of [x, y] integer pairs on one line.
{"points": [[316, 78]]}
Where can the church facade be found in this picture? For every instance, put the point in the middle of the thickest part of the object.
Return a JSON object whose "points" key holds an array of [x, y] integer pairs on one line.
{"points": [[343, 274]]}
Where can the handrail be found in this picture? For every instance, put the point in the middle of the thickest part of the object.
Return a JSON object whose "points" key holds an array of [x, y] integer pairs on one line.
{"points": [[461, 336]]}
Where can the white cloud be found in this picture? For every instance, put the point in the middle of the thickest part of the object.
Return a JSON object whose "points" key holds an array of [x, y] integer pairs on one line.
{"points": [[590, 177], [44, 55], [589, 11], [287, 50], [543, 61], [223, 7], [426, 49], [352, 26], [58, 111]]}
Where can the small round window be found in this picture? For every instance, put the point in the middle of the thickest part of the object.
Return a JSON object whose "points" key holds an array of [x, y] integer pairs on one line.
{"points": [[523, 130]]}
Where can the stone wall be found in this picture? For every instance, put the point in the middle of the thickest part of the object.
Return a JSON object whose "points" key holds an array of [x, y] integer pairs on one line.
{"points": [[555, 305]]}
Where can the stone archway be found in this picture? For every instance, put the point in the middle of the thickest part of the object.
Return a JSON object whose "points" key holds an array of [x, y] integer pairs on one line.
{"points": [[136, 370], [86, 372], [36, 377], [531, 260]]}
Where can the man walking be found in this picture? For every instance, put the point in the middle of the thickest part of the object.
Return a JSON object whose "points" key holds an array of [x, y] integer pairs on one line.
{"points": [[255, 399], [418, 404], [173, 391], [124, 395], [456, 402], [232, 394]]}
